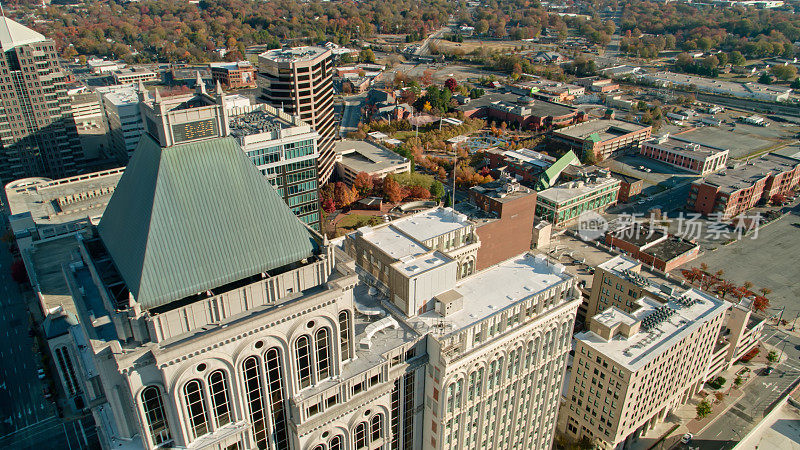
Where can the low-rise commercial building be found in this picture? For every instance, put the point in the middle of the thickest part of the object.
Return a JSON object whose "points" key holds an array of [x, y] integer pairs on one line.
{"points": [[734, 190], [598, 84], [353, 157], [602, 137], [679, 152], [234, 75], [653, 246], [529, 114], [757, 91], [132, 75], [563, 203], [86, 110], [629, 186], [409, 254]]}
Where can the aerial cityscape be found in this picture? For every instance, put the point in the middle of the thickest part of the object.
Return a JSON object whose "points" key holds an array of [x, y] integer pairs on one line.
{"points": [[363, 225]]}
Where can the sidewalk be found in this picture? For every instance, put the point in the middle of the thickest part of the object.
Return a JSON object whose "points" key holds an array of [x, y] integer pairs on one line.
{"points": [[684, 419]]}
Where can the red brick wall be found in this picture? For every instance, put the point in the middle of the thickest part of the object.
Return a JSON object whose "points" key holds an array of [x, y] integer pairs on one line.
{"points": [[510, 235]]}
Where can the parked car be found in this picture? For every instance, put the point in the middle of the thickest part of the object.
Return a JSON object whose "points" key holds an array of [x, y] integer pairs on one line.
{"points": [[687, 438]]}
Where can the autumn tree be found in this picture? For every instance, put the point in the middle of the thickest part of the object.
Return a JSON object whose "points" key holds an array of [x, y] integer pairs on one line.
{"points": [[392, 189], [343, 195], [760, 303], [419, 192], [328, 205], [451, 84], [363, 183]]}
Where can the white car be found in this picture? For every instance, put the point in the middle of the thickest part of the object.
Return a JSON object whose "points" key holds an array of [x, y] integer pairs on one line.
{"points": [[686, 438]]}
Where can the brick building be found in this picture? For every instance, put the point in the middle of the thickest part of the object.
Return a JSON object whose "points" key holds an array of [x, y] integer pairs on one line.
{"points": [[654, 246], [629, 186], [603, 137], [503, 214], [234, 75], [534, 115], [735, 190], [680, 152]]}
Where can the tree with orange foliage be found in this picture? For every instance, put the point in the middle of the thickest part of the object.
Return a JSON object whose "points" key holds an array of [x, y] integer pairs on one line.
{"points": [[419, 192], [760, 303], [363, 183], [343, 195], [392, 189]]}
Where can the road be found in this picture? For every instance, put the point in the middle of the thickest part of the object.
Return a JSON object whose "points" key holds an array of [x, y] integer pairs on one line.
{"points": [[351, 113], [666, 201], [21, 399], [730, 427], [424, 48], [53, 433], [27, 419]]}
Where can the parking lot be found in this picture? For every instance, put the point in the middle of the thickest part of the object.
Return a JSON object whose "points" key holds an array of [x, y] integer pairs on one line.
{"points": [[769, 260]]}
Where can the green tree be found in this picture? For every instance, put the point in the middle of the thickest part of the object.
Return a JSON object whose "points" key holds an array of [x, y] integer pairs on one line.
{"points": [[703, 409], [738, 381], [772, 357], [784, 72], [735, 57], [367, 56], [796, 83], [437, 190], [765, 78]]}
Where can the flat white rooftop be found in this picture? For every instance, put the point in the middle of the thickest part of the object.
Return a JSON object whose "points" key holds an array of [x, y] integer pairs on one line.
{"points": [[123, 94], [619, 264], [637, 350], [432, 223], [411, 266], [499, 287], [565, 192], [392, 242]]}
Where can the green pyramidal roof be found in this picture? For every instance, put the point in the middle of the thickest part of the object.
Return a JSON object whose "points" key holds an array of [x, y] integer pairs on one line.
{"points": [[193, 217]]}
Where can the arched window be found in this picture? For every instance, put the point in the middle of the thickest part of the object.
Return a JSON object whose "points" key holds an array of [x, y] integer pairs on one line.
{"points": [[323, 354], [303, 362], [335, 443], [344, 334], [218, 384], [196, 408], [255, 400], [155, 416], [277, 405], [376, 427], [360, 435], [459, 392], [319, 447], [65, 363]]}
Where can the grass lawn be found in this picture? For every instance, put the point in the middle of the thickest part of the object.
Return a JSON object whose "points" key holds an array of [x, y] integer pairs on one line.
{"points": [[353, 222], [403, 135]]}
